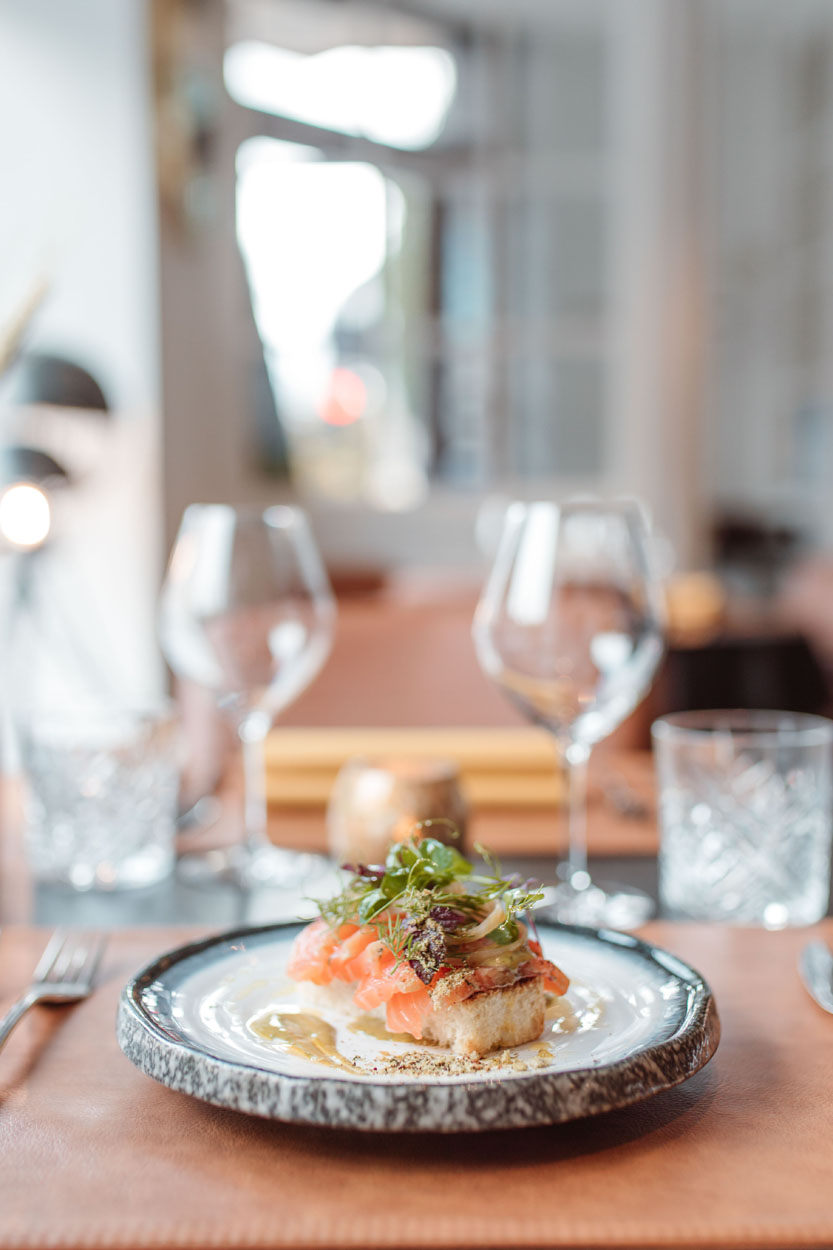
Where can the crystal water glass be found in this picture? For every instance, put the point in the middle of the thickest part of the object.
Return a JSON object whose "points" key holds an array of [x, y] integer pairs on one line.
{"points": [[745, 816], [101, 792]]}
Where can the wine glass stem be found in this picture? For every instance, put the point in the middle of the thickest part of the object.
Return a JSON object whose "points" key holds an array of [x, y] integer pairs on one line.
{"points": [[253, 738], [576, 757]]}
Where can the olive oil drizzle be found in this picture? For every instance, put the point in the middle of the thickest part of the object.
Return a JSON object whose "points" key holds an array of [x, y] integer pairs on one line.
{"points": [[559, 1016], [584, 1014], [308, 1036], [303, 1034], [374, 1027]]}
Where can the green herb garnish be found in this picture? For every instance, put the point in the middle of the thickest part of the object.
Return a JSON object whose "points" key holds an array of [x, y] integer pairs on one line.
{"points": [[426, 900]]}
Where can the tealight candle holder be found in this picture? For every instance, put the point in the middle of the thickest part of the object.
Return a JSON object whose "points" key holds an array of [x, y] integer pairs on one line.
{"points": [[376, 802]]}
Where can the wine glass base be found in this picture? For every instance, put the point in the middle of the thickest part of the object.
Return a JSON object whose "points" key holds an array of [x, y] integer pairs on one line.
{"points": [[249, 868], [599, 904]]}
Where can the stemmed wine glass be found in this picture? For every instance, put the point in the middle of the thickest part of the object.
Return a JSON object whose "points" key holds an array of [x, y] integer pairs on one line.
{"points": [[569, 625], [246, 611]]}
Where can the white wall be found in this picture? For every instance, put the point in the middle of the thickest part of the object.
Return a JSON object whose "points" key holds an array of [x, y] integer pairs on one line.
{"points": [[78, 209], [76, 189]]}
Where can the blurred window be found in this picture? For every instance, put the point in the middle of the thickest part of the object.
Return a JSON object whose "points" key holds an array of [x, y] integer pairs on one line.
{"points": [[771, 434], [397, 96], [323, 246], [424, 225]]}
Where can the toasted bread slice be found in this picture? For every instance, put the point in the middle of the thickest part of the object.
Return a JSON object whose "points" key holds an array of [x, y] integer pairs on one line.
{"points": [[490, 1020]]}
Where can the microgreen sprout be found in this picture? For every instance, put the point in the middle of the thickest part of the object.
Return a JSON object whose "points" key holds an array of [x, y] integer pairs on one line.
{"points": [[425, 900]]}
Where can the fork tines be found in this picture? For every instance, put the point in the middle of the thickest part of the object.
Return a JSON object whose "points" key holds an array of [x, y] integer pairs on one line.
{"points": [[69, 958]]}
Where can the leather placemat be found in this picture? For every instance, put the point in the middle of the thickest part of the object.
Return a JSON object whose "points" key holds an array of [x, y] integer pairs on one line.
{"points": [[95, 1154]]}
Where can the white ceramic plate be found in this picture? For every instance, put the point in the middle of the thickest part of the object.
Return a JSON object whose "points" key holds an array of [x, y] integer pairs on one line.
{"points": [[207, 1019]]}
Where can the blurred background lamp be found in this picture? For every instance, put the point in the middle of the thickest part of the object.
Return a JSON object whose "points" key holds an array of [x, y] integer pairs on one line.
{"points": [[25, 516], [27, 475]]}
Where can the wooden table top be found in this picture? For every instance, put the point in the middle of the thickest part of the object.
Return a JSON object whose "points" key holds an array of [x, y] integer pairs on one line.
{"points": [[93, 1154]]}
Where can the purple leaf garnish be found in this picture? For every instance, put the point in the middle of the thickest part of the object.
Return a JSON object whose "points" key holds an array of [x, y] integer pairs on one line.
{"points": [[448, 917], [426, 949], [424, 972], [374, 872]]}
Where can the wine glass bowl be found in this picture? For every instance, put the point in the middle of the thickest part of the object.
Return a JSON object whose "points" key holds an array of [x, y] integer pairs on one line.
{"points": [[569, 626], [246, 611]]}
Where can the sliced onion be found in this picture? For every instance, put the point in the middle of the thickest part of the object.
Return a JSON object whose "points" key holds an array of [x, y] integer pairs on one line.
{"points": [[492, 920], [478, 958], [481, 952]]}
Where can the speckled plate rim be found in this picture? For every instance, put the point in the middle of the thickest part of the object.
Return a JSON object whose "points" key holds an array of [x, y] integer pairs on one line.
{"points": [[516, 1100]]}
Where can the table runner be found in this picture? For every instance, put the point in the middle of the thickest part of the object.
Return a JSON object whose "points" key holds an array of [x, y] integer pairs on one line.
{"points": [[508, 829], [498, 767], [95, 1154]]}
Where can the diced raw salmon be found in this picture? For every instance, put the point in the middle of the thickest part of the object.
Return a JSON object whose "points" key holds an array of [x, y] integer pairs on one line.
{"points": [[405, 1013], [380, 984], [345, 956], [311, 951], [355, 954]]}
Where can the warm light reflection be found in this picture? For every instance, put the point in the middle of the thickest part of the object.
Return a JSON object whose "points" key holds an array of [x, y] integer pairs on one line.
{"points": [[346, 398], [25, 516]]}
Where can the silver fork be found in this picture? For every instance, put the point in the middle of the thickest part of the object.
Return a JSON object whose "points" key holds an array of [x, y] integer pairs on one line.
{"points": [[815, 967], [65, 974]]}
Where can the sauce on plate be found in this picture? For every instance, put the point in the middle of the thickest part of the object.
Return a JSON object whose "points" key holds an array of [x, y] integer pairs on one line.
{"points": [[301, 1033]]}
